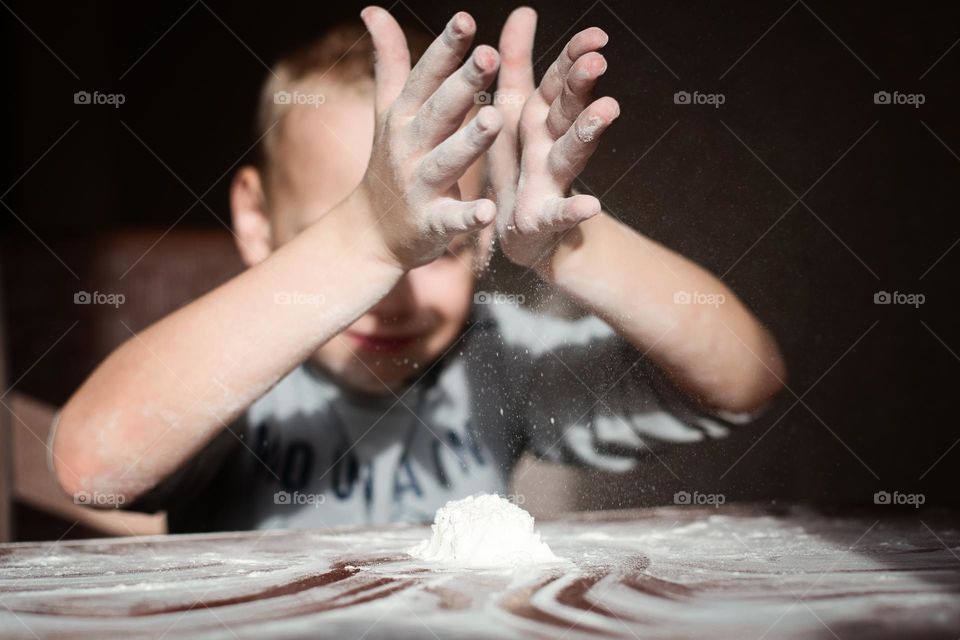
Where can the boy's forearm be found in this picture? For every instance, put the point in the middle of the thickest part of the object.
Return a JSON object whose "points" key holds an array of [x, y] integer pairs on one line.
{"points": [[686, 320], [165, 393]]}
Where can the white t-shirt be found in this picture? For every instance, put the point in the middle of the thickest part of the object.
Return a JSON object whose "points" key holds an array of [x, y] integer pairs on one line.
{"points": [[311, 454]]}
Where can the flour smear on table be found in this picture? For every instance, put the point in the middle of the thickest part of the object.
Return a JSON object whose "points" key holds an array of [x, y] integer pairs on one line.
{"points": [[484, 531]]}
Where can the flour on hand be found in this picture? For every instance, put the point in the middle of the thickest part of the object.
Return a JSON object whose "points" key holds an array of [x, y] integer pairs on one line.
{"points": [[483, 531]]}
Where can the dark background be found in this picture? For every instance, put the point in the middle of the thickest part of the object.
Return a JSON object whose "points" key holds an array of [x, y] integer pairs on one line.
{"points": [[882, 379]]}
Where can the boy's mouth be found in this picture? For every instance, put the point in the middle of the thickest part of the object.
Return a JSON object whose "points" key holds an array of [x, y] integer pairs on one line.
{"points": [[380, 343]]}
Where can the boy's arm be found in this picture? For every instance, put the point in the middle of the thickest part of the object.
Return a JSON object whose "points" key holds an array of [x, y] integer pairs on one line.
{"points": [[164, 394], [719, 355], [686, 320]]}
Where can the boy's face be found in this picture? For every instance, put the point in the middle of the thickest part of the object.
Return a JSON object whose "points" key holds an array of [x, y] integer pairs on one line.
{"points": [[320, 156]]}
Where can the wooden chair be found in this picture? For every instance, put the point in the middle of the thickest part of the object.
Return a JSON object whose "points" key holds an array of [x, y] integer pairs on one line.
{"points": [[156, 272]]}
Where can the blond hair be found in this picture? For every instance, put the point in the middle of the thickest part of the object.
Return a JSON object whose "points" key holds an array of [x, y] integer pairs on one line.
{"points": [[341, 55]]}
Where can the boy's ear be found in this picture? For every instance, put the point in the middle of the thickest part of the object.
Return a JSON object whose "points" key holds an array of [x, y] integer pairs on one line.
{"points": [[251, 221]]}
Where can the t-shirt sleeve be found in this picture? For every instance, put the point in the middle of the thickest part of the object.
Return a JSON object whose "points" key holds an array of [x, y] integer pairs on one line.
{"points": [[192, 478], [593, 399]]}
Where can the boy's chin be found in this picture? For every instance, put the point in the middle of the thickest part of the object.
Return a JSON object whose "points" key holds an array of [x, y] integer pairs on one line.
{"points": [[372, 378]]}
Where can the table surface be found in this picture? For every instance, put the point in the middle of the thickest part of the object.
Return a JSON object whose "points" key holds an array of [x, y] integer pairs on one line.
{"points": [[737, 572]]}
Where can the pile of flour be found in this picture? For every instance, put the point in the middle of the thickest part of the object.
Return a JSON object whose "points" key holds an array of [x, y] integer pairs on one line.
{"points": [[483, 531]]}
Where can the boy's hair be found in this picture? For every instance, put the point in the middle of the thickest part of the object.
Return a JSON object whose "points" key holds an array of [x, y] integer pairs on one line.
{"points": [[342, 55]]}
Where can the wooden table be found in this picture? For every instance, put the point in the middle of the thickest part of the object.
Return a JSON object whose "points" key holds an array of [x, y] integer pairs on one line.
{"points": [[733, 572]]}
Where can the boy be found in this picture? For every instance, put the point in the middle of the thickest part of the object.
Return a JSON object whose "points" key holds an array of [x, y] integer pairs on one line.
{"points": [[347, 377]]}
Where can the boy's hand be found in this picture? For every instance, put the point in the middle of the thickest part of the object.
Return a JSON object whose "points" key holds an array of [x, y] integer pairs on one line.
{"points": [[548, 136], [420, 150]]}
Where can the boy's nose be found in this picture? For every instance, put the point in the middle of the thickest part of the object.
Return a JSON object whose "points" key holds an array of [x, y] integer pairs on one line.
{"points": [[400, 303]]}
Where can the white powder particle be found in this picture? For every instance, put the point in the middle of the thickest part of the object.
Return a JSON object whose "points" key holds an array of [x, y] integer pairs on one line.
{"points": [[483, 531], [588, 131]]}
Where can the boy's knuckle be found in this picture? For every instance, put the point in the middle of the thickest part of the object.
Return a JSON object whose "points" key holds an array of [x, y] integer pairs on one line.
{"points": [[470, 77], [428, 113], [427, 170], [393, 122], [526, 224], [436, 226], [424, 179]]}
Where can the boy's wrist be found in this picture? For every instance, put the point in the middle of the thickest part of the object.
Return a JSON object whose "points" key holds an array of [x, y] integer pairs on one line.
{"points": [[355, 224], [561, 252]]}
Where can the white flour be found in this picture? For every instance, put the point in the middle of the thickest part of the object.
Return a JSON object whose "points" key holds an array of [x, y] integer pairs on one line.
{"points": [[483, 531]]}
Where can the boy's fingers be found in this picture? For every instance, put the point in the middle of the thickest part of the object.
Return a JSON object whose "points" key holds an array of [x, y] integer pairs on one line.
{"points": [[392, 59], [516, 52], [441, 58], [444, 165], [587, 40], [514, 85], [570, 153], [456, 216], [444, 111], [576, 93]]}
